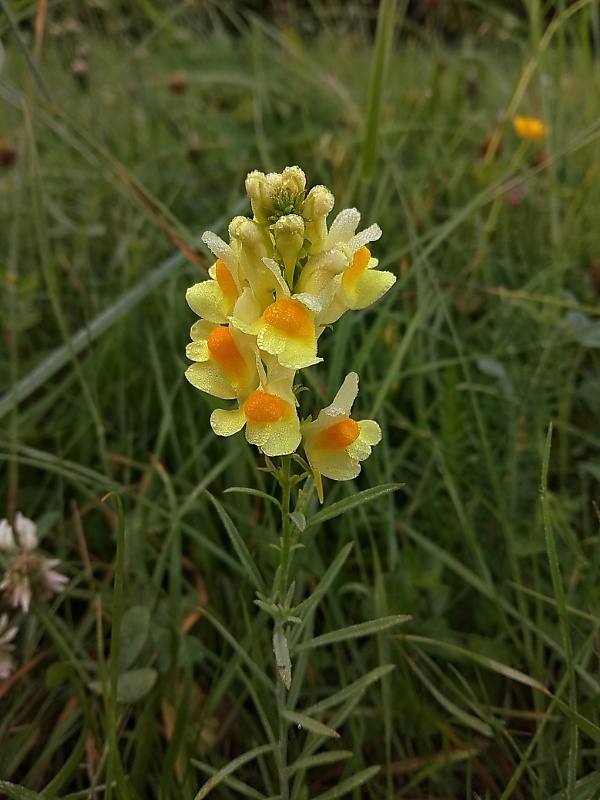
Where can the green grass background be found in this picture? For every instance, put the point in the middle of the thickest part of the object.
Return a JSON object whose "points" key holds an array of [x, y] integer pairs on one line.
{"points": [[490, 335]]}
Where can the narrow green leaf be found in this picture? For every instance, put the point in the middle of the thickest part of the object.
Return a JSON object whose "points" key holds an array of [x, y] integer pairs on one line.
{"points": [[587, 788], [320, 760], [384, 39], [254, 493], [496, 666], [563, 624], [354, 690], [324, 584], [134, 632], [342, 789], [583, 723], [468, 720], [231, 767], [348, 503], [19, 792], [354, 631], [233, 783], [239, 546], [309, 724]]}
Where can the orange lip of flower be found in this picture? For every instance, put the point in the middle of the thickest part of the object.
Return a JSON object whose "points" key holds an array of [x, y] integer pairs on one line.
{"points": [[225, 281], [264, 407], [291, 318], [223, 349], [359, 264], [338, 436]]}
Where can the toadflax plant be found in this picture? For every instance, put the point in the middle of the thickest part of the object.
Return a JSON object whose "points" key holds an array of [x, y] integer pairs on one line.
{"points": [[283, 279]]}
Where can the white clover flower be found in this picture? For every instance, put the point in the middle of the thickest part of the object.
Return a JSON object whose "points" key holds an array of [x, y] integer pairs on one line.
{"points": [[29, 575], [7, 539], [26, 530]]}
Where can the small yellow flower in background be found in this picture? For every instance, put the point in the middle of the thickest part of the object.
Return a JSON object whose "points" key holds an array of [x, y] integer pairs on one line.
{"points": [[334, 443], [531, 129]]}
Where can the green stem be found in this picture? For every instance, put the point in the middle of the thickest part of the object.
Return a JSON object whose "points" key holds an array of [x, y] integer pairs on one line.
{"points": [[284, 568], [286, 537], [284, 789]]}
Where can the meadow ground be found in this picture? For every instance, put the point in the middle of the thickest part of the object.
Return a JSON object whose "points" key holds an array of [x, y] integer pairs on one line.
{"points": [[123, 136]]}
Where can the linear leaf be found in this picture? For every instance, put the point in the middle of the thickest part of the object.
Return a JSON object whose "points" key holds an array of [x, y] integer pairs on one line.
{"points": [[253, 492], [348, 503], [309, 723], [239, 546], [354, 690], [19, 792], [231, 767], [342, 789], [354, 631], [325, 582], [320, 760]]}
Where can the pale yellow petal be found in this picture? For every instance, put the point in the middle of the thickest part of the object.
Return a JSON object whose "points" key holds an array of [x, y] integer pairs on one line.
{"points": [[334, 464], [208, 301], [210, 378], [369, 288], [275, 438], [226, 423]]}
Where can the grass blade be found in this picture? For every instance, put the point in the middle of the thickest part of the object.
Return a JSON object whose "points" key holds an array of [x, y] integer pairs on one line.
{"points": [[231, 767], [239, 546]]}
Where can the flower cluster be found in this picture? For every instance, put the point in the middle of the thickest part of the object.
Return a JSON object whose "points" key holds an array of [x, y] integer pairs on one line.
{"points": [[284, 276], [29, 575]]}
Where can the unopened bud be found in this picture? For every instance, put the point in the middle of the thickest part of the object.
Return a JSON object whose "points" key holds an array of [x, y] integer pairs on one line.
{"points": [[317, 206], [289, 238], [276, 194]]}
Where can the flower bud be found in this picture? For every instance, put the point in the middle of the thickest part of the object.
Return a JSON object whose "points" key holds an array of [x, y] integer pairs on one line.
{"points": [[255, 244], [317, 206], [276, 194], [289, 238]]}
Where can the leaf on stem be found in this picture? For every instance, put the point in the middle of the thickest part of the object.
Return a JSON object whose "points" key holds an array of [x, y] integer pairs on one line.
{"points": [[354, 631], [348, 503], [309, 724]]}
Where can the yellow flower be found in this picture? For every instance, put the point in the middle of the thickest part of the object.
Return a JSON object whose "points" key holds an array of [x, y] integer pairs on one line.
{"points": [[285, 328], [214, 299], [270, 416], [254, 244], [225, 361], [334, 443], [342, 276], [360, 285], [531, 129]]}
